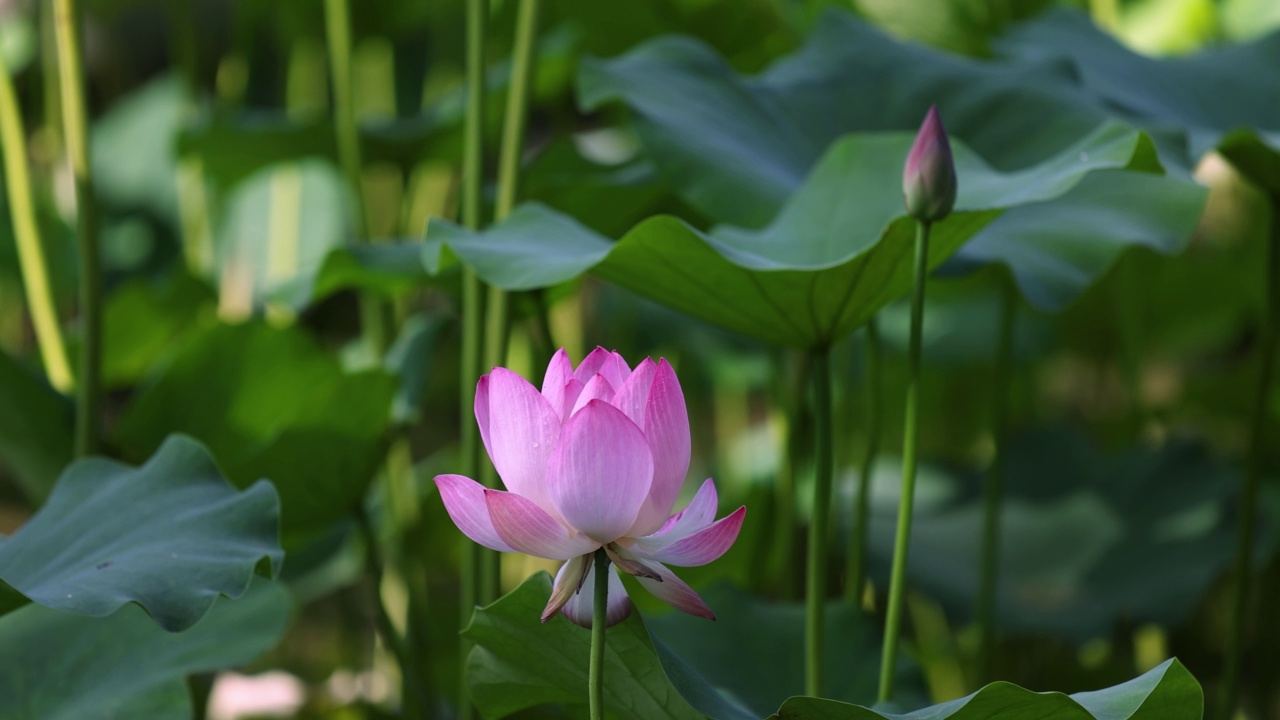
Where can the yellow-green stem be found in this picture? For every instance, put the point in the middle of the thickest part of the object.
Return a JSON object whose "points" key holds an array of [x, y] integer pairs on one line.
{"points": [[994, 486], [498, 305], [819, 524], [898, 573], [472, 310], [858, 532], [599, 614], [26, 231], [1258, 441], [374, 314], [76, 137]]}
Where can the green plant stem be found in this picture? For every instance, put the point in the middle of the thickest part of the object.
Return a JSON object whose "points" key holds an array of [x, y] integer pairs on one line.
{"points": [[337, 15], [544, 338], [498, 304], [819, 524], [387, 629], [472, 309], [184, 44], [599, 614], [793, 379], [523, 62], [1258, 440], [994, 487], [858, 537], [75, 134], [26, 231], [898, 574], [375, 318]]}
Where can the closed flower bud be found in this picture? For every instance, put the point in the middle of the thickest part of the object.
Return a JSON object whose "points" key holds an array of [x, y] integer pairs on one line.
{"points": [[929, 177]]}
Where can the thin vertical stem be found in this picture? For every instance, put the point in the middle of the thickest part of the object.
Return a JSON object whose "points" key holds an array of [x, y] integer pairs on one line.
{"points": [[1268, 340], [76, 136], [473, 128], [338, 30], [472, 310], [26, 231], [994, 487], [898, 575], [50, 91], [545, 339], [819, 524], [413, 697], [858, 538], [184, 44], [498, 304], [374, 320], [599, 615], [523, 62], [795, 379]]}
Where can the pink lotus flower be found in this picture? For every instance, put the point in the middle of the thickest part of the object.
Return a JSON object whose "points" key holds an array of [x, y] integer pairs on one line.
{"points": [[594, 460]]}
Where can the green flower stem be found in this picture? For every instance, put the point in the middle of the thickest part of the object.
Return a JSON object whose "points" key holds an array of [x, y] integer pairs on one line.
{"points": [[1258, 441], [472, 309], [26, 231], [375, 321], [599, 614], [414, 699], [819, 524], [898, 574], [76, 136], [858, 541], [523, 62], [994, 486], [794, 370]]}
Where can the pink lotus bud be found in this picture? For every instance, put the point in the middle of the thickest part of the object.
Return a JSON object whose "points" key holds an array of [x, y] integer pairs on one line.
{"points": [[929, 178]]}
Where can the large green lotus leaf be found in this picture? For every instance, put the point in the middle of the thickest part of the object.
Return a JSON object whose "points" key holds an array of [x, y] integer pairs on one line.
{"points": [[754, 651], [171, 535], [269, 402], [56, 665], [1167, 692], [608, 198], [735, 147], [826, 265], [534, 247], [35, 429], [1207, 94], [1059, 248], [519, 662], [820, 269], [1087, 538]]}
